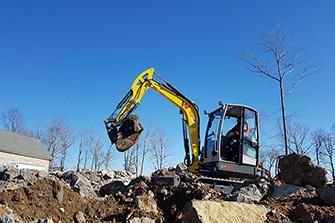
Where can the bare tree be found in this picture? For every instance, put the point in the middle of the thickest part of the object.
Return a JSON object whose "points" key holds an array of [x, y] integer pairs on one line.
{"points": [[90, 138], [329, 152], [318, 139], [13, 121], [85, 143], [137, 148], [145, 150], [277, 46], [97, 154], [67, 139], [268, 157], [108, 157], [37, 132], [58, 139], [141, 150], [129, 159], [159, 149], [298, 138]]}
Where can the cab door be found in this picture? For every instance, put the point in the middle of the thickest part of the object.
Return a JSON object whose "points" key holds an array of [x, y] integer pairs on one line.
{"points": [[250, 137], [212, 139]]}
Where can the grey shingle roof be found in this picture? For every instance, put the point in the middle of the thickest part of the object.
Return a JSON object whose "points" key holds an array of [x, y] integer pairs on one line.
{"points": [[22, 145]]}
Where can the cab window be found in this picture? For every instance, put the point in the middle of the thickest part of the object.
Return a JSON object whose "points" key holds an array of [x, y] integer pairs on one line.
{"points": [[250, 126], [213, 125]]}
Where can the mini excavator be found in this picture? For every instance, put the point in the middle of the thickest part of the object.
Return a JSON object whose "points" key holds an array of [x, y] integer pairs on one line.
{"points": [[231, 144]]}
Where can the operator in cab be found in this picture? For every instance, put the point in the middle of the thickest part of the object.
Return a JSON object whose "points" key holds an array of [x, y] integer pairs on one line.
{"points": [[233, 136]]}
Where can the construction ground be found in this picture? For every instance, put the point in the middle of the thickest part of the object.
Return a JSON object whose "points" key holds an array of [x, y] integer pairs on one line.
{"points": [[116, 196]]}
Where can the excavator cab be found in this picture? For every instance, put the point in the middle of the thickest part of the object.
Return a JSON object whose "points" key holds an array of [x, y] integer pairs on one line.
{"points": [[231, 142]]}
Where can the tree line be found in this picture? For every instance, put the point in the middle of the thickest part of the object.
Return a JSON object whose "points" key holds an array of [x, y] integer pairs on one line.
{"points": [[94, 152]]}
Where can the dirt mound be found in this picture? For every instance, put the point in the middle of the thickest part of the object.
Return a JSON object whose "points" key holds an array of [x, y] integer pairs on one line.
{"points": [[145, 200], [300, 207], [52, 199]]}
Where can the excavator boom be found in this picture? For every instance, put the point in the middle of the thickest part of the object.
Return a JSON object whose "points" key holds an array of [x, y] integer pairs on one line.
{"points": [[124, 128]]}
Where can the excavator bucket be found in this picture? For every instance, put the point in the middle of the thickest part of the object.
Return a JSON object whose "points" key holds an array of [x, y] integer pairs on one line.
{"points": [[128, 133]]}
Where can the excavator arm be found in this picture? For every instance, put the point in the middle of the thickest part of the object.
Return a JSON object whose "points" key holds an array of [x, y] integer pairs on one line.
{"points": [[190, 116]]}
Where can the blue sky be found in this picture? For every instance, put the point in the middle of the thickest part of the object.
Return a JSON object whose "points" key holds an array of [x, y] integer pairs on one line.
{"points": [[79, 58]]}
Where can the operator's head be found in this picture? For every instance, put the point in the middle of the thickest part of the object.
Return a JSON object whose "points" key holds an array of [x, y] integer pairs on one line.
{"points": [[245, 126]]}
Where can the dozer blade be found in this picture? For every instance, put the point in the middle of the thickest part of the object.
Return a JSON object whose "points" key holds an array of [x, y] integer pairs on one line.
{"points": [[128, 133]]}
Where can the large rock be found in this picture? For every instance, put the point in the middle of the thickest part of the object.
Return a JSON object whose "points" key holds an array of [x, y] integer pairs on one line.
{"points": [[79, 183], [286, 190], [246, 194], [100, 178], [327, 194], [224, 211], [113, 188], [299, 170]]}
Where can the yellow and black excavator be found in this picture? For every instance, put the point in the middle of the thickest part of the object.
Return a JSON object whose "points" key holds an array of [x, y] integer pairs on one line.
{"points": [[231, 146]]}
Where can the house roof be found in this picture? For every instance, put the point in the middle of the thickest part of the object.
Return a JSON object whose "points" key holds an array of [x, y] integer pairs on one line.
{"points": [[22, 145]]}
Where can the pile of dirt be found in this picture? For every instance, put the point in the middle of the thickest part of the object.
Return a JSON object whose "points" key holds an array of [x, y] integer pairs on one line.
{"points": [[302, 206], [48, 198], [114, 197], [52, 198]]}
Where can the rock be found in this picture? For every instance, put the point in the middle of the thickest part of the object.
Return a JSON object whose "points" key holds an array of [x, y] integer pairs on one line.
{"points": [[6, 216], [246, 194], [141, 220], [164, 192], [181, 167], [285, 190], [59, 193], [299, 170], [8, 173], [62, 210], [79, 217], [112, 188], [79, 183], [46, 220], [108, 175], [42, 174], [310, 188], [263, 185], [98, 179], [146, 204], [2, 173], [224, 211], [12, 186], [301, 214], [327, 194]]}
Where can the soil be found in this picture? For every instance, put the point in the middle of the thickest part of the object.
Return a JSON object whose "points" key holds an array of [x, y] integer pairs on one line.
{"points": [[51, 198], [302, 207], [48, 199]]}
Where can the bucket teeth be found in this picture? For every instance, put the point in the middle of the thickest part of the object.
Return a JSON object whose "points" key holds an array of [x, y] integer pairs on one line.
{"points": [[128, 133]]}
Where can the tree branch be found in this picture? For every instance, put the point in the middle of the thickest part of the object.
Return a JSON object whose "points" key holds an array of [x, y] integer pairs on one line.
{"points": [[256, 67]]}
